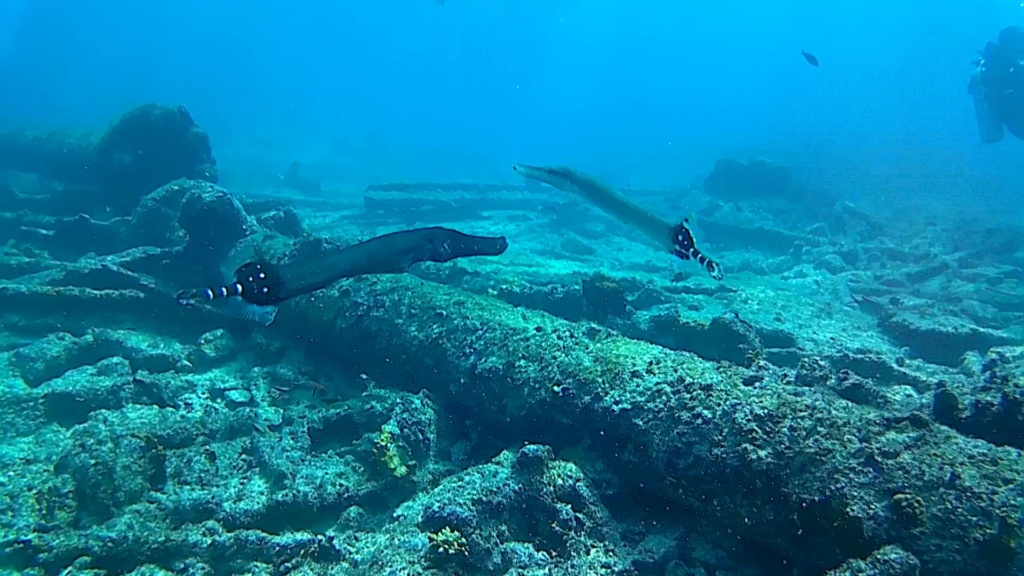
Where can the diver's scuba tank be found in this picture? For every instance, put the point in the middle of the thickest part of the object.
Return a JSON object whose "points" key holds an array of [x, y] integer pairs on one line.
{"points": [[990, 126]]}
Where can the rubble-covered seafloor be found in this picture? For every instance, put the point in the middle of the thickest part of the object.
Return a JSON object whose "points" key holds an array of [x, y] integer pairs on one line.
{"points": [[848, 402]]}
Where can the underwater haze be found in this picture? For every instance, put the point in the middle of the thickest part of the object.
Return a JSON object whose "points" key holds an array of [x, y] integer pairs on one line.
{"points": [[511, 288], [646, 93]]}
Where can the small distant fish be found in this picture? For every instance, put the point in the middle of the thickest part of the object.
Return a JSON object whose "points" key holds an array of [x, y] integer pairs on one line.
{"points": [[314, 389], [868, 305], [811, 58]]}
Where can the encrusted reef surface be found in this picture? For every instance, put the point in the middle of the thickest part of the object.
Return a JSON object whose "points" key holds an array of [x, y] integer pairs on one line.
{"points": [[770, 466], [848, 402]]}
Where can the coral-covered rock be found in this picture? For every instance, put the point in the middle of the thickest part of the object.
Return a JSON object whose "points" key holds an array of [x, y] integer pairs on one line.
{"points": [[558, 521], [214, 222], [70, 398], [216, 346], [990, 405], [111, 468], [813, 373], [68, 238], [726, 337], [284, 221], [833, 466], [832, 264], [605, 297], [942, 340], [887, 561], [154, 222], [91, 273], [146, 148], [57, 354]]}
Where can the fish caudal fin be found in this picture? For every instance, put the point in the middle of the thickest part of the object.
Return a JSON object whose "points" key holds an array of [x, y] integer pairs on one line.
{"points": [[684, 247]]}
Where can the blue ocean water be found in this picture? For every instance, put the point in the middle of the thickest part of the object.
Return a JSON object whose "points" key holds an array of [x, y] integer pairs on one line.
{"points": [[511, 287]]}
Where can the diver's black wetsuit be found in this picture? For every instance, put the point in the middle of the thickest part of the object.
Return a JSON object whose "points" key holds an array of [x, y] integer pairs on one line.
{"points": [[998, 87]]}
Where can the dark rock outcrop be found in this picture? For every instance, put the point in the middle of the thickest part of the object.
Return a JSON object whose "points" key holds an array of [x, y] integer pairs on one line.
{"points": [[989, 406], [941, 341], [732, 180], [146, 148]]}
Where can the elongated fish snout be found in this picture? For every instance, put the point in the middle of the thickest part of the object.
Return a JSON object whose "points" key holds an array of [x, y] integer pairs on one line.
{"points": [[525, 170], [491, 246], [550, 176]]}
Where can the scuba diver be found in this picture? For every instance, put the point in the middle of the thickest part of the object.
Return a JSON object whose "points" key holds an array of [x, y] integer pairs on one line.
{"points": [[997, 86]]}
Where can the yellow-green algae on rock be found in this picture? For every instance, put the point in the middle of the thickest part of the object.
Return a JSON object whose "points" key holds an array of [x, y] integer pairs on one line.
{"points": [[797, 471]]}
